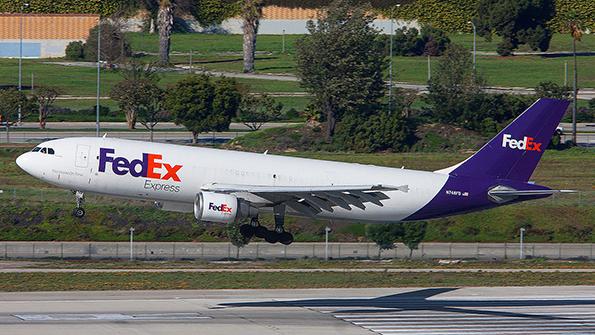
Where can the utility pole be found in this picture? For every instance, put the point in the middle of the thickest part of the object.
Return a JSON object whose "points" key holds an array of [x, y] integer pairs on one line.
{"points": [[283, 42], [575, 93], [98, 77], [23, 6], [429, 68], [390, 64], [474, 44]]}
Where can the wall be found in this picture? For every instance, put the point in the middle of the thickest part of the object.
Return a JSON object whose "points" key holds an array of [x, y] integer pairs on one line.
{"points": [[219, 251]]}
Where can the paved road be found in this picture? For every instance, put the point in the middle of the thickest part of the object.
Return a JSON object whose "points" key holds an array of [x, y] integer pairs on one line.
{"points": [[159, 126], [438, 311]]}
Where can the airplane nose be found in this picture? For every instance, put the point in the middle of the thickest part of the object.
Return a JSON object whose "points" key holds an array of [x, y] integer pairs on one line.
{"points": [[23, 161]]}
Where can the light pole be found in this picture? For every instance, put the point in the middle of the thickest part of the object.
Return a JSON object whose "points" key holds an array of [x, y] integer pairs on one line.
{"points": [[327, 230], [23, 6], [98, 77], [390, 64], [131, 244], [474, 43], [521, 253]]}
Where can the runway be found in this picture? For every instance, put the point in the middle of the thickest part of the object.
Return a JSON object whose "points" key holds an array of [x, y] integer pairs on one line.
{"points": [[438, 311]]}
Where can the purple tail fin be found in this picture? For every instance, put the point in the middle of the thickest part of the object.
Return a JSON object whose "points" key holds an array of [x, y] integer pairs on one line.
{"points": [[516, 150]]}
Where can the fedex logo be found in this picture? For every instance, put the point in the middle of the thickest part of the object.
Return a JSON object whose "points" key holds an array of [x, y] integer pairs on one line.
{"points": [[150, 166], [525, 144], [221, 208]]}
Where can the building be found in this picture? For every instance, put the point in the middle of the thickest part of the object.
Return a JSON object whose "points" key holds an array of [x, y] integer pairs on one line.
{"points": [[44, 35]]}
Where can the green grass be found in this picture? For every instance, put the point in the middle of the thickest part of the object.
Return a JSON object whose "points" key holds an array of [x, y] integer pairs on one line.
{"points": [[81, 81], [536, 263], [560, 42], [20, 282]]}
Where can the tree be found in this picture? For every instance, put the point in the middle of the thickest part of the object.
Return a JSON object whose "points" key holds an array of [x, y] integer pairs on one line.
{"points": [[574, 26], [453, 84], [165, 24], [45, 99], [413, 233], [114, 44], [138, 83], [255, 111], [384, 235], [549, 89], [150, 110], [202, 105], [251, 12], [235, 237], [517, 22], [10, 100], [341, 62]]}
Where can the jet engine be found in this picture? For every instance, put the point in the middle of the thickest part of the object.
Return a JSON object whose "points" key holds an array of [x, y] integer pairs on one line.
{"points": [[222, 208]]}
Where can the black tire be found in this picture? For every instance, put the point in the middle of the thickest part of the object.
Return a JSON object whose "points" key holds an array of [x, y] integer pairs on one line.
{"points": [[285, 238], [78, 212], [247, 231], [260, 231], [271, 237]]}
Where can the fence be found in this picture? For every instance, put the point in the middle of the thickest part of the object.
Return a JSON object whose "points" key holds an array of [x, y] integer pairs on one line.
{"points": [[222, 251]]}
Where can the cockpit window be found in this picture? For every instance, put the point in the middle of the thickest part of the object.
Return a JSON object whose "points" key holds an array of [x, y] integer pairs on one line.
{"points": [[44, 150], [51, 151], [36, 149]]}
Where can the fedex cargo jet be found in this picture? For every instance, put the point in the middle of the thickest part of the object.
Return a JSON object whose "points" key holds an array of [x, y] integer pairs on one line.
{"points": [[223, 186]]}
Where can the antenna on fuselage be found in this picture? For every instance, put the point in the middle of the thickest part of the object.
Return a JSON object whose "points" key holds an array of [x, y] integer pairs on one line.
{"points": [[266, 152], [104, 135]]}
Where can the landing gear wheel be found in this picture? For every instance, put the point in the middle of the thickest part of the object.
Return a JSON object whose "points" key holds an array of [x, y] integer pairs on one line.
{"points": [[271, 237], [285, 238], [260, 231], [78, 212], [247, 231]]}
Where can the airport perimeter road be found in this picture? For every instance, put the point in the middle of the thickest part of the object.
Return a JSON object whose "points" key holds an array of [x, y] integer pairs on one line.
{"points": [[159, 136], [160, 126], [438, 311]]}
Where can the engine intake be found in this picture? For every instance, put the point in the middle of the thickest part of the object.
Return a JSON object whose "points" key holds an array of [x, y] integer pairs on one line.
{"points": [[222, 208]]}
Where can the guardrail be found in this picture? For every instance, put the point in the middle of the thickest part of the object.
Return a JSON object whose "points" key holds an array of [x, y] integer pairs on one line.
{"points": [[222, 251]]}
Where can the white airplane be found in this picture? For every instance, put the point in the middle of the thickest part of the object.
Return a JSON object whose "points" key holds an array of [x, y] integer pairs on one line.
{"points": [[223, 186]]}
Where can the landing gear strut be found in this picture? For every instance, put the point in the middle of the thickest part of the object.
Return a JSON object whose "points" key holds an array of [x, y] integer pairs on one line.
{"points": [[78, 211], [272, 236]]}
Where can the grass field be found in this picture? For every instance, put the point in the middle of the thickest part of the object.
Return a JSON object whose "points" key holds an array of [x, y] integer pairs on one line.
{"points": [[13, 282]]}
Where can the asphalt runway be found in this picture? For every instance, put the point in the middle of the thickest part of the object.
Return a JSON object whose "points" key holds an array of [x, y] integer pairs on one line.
{"points": [[438, 311]]}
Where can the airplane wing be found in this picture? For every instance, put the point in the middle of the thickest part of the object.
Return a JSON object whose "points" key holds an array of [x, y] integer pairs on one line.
{"points": [[311, 200]]}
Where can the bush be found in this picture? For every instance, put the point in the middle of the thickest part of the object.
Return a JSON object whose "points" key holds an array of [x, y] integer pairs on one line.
{"points": [[412, 42], [114, 44], [75, 50]]}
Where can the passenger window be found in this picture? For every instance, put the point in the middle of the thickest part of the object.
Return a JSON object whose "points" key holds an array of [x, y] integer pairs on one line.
{"points": [[36, 149], [51, 151], [44, 151]]}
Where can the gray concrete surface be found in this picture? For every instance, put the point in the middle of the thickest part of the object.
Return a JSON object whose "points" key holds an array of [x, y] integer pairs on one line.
{"points": [[261, 250], [439, 311]]}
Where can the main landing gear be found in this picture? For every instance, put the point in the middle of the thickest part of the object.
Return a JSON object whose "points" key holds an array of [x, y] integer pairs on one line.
{"points": [[272, 236], [78, 211]]}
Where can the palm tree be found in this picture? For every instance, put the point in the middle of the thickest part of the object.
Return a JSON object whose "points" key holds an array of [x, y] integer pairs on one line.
{"points": [[251, 14], [165, 23], [576, 33]]}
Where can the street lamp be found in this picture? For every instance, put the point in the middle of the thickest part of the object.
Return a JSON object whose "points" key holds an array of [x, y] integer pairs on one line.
{"points": [[390, 65], [521, 253], [326, 231], [23, 6], [131, 244], [474, 43]]}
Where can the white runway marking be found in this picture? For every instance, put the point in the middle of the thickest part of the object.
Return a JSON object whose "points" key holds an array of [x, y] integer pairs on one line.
{"points": [[496, 321], [112, 317]]}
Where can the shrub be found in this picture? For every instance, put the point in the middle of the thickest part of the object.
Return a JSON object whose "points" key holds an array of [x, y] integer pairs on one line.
{"points": [[75, 50]]}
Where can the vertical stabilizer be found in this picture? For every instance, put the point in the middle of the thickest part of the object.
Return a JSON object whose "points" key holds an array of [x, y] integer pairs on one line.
{"points": [[515, 152]]}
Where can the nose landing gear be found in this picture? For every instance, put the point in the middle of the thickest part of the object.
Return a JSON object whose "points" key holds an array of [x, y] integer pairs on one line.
{"points": [[78, 211], [271, 236]]}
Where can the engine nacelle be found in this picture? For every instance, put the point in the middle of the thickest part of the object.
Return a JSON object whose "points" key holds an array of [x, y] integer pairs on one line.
{"points": [[222, 208]]}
